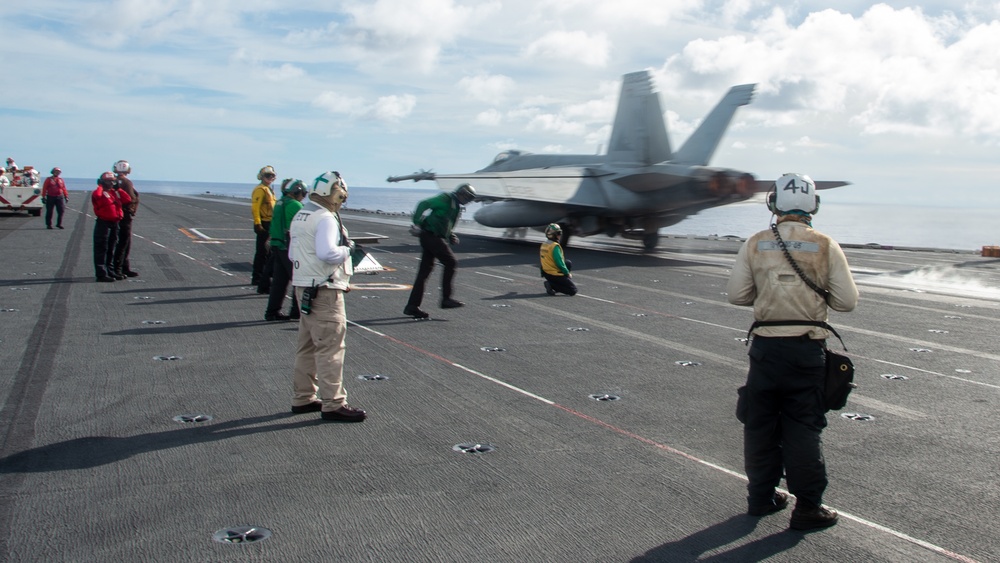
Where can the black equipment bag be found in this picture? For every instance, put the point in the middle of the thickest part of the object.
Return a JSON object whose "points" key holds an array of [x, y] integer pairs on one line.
{"points": [[839, 380]]}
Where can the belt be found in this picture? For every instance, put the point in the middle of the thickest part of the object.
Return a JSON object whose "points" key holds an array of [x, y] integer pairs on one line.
{"points": [[801, 338]]}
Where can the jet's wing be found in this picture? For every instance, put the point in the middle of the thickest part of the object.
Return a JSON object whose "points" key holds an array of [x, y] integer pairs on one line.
{"points": [[572, 185], [829, 184], [768, 185]]}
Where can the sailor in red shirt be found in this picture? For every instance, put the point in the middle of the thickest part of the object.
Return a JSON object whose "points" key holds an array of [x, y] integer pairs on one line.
{"points": [[108, 202], [55, 196]]}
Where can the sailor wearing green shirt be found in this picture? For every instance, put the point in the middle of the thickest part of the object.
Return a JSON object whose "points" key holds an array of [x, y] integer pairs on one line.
{"points": [[436, 217], [292, 193], [555, 268]]}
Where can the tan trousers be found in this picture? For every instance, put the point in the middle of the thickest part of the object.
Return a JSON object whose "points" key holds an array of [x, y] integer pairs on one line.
{"points": [[319, 359]]}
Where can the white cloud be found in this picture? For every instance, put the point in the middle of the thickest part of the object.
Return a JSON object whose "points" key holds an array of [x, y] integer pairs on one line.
{"points": [[555, 124], [578, 46], [159, 21], [604, 13], [501, 146], [489, 88], [888, 70], [556, 149], [408, 32], [393, 108], [386, 108], [733, 11], [334, 102], [489, 118], [880, 87], [283, 72]]}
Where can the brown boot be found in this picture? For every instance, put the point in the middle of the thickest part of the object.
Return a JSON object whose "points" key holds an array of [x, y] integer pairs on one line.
{"points": [[812, 518]]}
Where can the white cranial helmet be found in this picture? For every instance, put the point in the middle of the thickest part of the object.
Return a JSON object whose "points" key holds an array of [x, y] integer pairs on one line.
{"points": [[793, 192], [331, 187], [329, 184], [122, 167]]}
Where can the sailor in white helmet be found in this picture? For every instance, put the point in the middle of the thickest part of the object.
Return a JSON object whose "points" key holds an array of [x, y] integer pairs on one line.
{"points": [[123, 266], [320, 251], [783, 408]]}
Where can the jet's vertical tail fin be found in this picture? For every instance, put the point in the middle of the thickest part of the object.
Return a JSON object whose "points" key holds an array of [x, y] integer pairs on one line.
{"points": [[700, 147], [639, 134]]}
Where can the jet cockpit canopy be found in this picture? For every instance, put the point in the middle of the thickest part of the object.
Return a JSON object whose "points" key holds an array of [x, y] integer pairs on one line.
{"points": [[507, 155]]}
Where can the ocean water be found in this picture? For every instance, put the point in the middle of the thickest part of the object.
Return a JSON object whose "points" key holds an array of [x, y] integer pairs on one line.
{"points": [[952, 228]]}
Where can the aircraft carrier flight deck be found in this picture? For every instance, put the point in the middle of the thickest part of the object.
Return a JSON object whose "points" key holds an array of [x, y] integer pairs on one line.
{"points": [[148, 419]]}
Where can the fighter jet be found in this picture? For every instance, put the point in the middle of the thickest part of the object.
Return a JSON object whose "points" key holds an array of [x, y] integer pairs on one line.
{"points": [[637, 187]]}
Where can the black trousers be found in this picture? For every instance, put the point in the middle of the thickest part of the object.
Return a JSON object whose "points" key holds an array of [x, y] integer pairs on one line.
{"points": [[281, 276], [59, 204], [562, 284], [261, 254], [124, 245], [105, 238], [785, 416], [434, 248]]}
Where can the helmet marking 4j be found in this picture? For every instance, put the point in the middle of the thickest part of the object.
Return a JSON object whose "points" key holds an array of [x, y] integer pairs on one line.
{"points": [[793, 193]]}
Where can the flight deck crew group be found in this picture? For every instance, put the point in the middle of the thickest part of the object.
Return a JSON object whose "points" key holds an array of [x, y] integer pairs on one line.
{"points": [[782, 410], [108, 202], [115, 201]]}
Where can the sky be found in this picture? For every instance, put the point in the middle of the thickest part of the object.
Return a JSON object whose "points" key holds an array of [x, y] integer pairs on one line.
{"points": [[902, 99]]}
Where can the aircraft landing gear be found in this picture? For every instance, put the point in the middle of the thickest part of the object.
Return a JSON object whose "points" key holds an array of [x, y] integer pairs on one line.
{"points": [[650, 240]]}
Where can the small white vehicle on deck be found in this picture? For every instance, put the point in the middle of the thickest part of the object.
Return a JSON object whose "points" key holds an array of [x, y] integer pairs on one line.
{"points": [[21, 191]]}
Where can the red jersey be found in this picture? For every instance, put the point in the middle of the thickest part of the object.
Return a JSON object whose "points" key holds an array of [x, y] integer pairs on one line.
{"points": [[108, 203], [54, 187]]}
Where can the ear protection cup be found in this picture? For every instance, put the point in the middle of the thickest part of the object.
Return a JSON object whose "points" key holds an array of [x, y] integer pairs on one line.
{"points": [[339, 194]]}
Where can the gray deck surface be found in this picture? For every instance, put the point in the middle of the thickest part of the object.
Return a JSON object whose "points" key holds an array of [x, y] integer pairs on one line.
{"points": [[93, 466]]}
